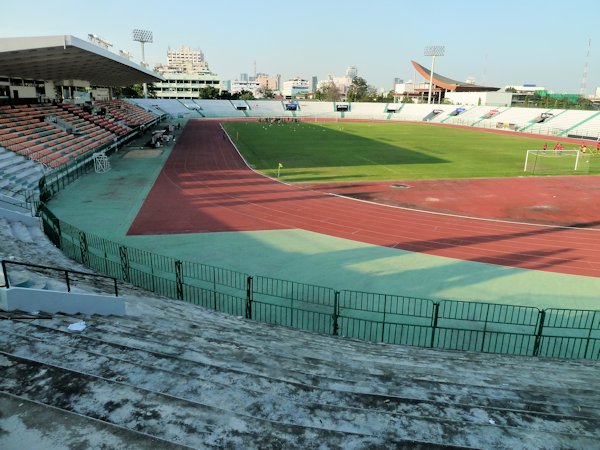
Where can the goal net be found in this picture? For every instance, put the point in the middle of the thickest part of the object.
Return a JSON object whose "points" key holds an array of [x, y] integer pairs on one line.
{"points": [[554, 162]]}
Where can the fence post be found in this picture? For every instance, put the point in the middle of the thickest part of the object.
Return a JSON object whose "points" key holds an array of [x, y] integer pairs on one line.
{"points": [[249, 298], [487, 312], [538, 333], [67, 280], [336, 312], [83, 249], [292, 307], [124, 262], [214, 276], [436, 308], [179, 280], [383, 322], [587, 341], [6, 284]]}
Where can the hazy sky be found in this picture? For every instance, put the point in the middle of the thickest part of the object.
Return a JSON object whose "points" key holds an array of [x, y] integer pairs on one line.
{"points": [[498, 43]]}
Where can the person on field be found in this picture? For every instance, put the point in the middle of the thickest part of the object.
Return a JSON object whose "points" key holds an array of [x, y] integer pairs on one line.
{"points": [[545, 146]]}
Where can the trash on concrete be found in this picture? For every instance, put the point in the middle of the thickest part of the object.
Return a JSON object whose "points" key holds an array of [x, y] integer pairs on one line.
{"points": [[77, 326]]}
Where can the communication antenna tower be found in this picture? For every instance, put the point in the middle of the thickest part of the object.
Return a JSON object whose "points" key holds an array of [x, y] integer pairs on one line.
{"points": [[585, 70]]}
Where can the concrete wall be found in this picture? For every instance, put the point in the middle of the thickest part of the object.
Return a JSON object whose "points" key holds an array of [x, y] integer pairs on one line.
{"points": [[30, 300], [15, 213], [483, 98]]}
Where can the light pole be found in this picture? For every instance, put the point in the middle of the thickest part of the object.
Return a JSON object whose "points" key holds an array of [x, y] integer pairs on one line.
{"points": [[433, 51], [143, 36]]}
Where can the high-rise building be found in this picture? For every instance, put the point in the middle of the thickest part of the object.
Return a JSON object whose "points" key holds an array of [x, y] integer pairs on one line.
{"points": [[351, 72], [184, 56], [185, 73], [313, 83]]}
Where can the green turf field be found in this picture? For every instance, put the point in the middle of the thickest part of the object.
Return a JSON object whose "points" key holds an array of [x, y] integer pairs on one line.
{"points": [[347, 151]]}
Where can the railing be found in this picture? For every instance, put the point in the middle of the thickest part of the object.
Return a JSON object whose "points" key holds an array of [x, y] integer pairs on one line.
{"points": [[375, 317], [71, 278], [55, 181]]}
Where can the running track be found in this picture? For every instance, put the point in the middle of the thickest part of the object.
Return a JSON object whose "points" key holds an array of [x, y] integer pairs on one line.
{"points": [[205, 186]]}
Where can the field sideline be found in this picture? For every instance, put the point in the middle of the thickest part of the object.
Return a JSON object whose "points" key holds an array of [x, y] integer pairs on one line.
{"points": [[350, 151]]}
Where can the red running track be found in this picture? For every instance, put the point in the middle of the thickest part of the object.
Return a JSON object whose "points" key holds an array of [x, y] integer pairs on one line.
{"points": [[205, 186]]}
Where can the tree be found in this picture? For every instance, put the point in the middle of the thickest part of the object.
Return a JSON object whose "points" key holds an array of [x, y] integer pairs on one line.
{"points": [[388, 96], [511, 89], [246, 95], [584, 103], [265, 92], [406, 99], [329, 92], [134, 91], [225, 95], [209, 92], [357, 90]]}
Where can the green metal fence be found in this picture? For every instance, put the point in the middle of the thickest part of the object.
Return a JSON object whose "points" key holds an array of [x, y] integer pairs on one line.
{"points": [[375, 317]]}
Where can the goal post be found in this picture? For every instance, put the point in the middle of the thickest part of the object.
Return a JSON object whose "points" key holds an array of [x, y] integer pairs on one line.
{"points": [[555, 161]]}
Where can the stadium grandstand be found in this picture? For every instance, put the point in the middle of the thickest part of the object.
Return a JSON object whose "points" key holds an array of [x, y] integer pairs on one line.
{"points": [[45, 125], [148, 351]]}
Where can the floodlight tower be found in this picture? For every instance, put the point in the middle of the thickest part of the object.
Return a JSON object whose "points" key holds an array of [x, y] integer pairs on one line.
{"points": [[143, 36], [433, 51]]}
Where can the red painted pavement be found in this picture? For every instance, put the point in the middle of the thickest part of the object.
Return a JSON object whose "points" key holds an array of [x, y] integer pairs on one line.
{"points": [[206, 187]]}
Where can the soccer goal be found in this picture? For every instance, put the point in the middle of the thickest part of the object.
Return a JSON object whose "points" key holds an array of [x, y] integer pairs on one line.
{"points": [[553, 162]]}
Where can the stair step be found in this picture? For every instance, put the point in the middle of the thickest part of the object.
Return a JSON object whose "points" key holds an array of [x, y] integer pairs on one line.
{"points": [[171, 418], [29, 424]]}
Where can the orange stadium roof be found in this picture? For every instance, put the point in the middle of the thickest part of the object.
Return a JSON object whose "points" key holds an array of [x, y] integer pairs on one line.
{"points": [[448, 83]]}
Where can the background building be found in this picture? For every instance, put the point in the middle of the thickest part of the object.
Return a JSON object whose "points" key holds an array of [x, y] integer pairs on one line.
{"points": [[295, 87], [249, 84], [185, 73], [268, 82], [343, 83]]}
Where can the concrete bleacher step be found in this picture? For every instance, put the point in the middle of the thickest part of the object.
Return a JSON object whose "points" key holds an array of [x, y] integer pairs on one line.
{"points": [[242, 380], [34, 423], [17, 166], [10, 161], [229, 336], [28, 176], [6, 154], [168, 417], [301, 370]]}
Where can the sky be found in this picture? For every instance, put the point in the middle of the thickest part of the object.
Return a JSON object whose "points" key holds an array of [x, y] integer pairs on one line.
{"points": [[542, 42]]}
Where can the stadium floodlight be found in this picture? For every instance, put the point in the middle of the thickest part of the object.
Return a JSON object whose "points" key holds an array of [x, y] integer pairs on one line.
{"points": [[143, 36], [125, 54], [99, 41], [433, 51]]}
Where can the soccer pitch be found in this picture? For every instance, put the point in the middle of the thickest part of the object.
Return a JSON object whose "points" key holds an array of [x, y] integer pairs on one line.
{"points": [[353, 151]]}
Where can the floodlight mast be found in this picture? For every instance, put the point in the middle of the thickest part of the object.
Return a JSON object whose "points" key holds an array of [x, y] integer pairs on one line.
{"points": [[143, 36], [433, 51]]}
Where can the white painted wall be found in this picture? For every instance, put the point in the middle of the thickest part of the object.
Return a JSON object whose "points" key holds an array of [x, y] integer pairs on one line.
{"points": [[473, 98], [29, 300]]}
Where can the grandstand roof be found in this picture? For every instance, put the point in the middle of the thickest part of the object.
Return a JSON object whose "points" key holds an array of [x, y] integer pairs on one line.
{"points": [[65, 57], [448, 83]]}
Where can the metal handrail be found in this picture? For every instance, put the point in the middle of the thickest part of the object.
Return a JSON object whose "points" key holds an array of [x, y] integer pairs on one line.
{"points": [[57, 269]]}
